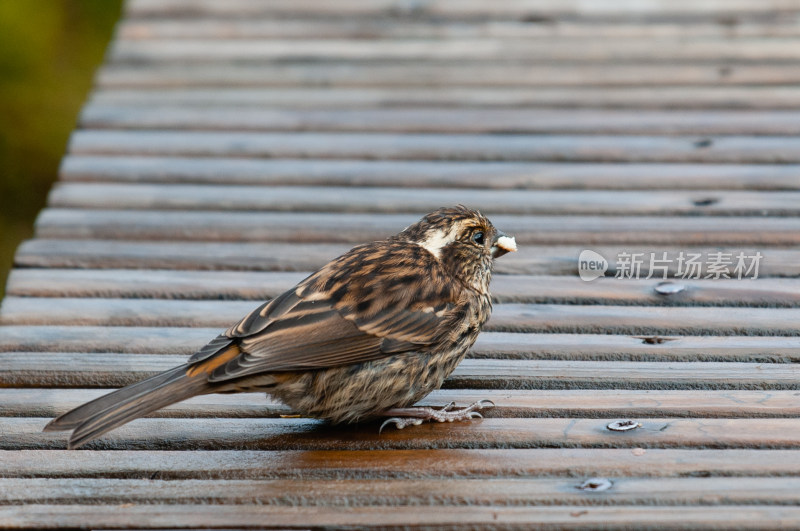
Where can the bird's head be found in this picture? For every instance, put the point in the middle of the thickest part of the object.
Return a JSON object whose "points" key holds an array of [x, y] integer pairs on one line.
{"points": [[463, 240]]}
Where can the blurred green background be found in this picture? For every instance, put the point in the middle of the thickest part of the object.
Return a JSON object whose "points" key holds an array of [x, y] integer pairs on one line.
{"points": [[49, 50]]}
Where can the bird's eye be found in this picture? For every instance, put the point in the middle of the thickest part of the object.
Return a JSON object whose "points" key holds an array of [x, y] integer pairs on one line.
{"points": [[477, 237]]}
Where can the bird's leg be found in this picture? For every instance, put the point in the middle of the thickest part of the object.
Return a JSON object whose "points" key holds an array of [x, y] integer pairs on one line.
{"points": [[413, 416]]}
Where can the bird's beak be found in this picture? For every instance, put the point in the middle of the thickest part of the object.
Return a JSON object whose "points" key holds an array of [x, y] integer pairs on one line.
{"points": [[503, 244]]}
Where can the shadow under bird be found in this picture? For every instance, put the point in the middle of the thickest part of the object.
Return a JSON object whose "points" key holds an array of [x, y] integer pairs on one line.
{"points": [[366, 336]]}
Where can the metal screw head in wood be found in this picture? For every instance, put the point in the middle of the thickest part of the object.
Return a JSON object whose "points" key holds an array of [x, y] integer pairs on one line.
{"points": [[669, 288], [595, 485], [623, 425]]}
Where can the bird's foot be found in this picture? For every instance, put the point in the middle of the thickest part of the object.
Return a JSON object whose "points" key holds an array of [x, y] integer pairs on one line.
{"points": [[414, 416]]}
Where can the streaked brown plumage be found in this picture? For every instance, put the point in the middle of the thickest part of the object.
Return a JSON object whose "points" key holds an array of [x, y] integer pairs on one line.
{"points": [[374, 330]]}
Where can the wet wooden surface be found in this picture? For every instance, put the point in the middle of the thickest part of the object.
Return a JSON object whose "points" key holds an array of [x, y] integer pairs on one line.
{"points": [[230, 148]]}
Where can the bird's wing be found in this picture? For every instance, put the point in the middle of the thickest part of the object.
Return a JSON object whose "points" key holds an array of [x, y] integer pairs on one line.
{"points": [[346, 313]]}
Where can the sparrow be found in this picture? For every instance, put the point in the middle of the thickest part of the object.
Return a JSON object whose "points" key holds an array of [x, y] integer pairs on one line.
{"points": [[366, 336]]}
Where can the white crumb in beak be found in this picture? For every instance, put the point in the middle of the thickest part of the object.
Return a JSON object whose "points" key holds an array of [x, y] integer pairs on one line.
{"points": [[507, 243]]}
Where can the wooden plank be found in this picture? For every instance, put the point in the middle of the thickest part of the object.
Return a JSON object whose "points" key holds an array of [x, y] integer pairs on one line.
{"points": [[452, 8], [510, 317], [556, 374], [765, 349], [264, 110], [68, 369], [606, 50], [452, 494], [305, 434], [400, 28], [429, 174], [161, 284], [442, 74], [50, 402], [560, 517], [356, 228], [132, 283], [104, 370], [140, 340], [531, 259], [43, 252], [282, 227], [394, 200], [737, 464], [718, 444], [494, 345], [224, 108], [53, 401], [728, 149], [306, 100]]}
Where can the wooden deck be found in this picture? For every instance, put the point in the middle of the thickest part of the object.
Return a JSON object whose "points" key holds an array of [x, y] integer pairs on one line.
{"points": [[229, 148]]}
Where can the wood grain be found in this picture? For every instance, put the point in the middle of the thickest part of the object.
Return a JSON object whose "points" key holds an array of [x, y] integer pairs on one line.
{"points": [[165, 284], [356, 228], [737, 464], [450, 493], [624, 403], [281, 256], [506, 73], [308, 108], [395, 200], [204, 27], [727, 149], [104, 370], [266, 110], [428, 174], [510, 317], [306, 434], [623, 77], [499, 345], [563, 517], [451, 8], [606, 50]]}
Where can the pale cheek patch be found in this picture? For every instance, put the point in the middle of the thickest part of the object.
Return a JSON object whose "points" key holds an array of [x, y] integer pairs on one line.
{"points": [[507, 243], [436, 241]]}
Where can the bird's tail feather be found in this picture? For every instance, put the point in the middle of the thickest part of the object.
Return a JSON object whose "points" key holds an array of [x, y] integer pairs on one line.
{"points": [[107, 412]]}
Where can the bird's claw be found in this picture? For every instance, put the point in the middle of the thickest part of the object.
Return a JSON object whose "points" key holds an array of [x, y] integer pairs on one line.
{"points": [[481, 404], [400, 422], [414, 416]]}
